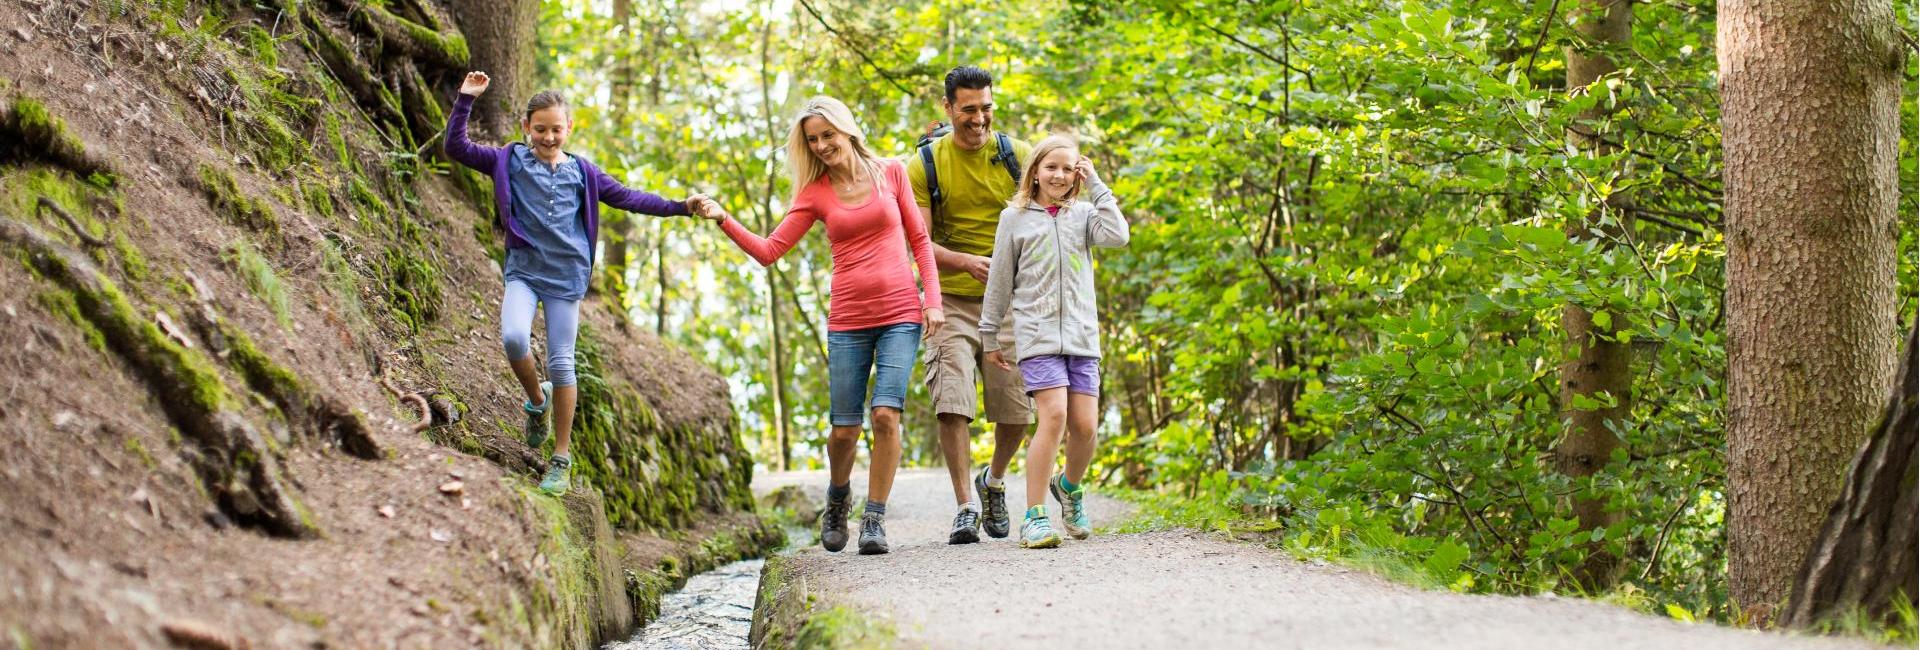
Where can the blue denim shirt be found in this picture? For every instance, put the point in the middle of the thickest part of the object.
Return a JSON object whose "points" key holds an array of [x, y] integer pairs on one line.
{"points": [[546, 201]]}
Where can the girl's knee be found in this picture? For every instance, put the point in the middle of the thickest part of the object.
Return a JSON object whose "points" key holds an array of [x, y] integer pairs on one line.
{"points": [[516, 341], [560, 370]]}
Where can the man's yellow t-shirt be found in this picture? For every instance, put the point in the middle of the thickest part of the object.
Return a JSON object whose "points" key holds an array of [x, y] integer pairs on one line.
{"points": [[974, 189]]}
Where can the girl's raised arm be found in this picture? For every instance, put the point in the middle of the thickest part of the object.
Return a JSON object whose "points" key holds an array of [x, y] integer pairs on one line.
{"points": [[455, 143], [1108, 227]]}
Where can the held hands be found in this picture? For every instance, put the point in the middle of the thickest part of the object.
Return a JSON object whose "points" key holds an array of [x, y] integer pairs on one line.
{"points": [[994, 358], [700, 205], [474, 84]]}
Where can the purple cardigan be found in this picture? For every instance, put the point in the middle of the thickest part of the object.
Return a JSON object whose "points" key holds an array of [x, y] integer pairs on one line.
{"points": [[601, 188]]}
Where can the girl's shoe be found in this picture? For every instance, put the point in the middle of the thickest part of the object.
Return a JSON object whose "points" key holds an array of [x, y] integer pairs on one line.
{"points": [[1073, 510], [556, 482], [1036, 532], [537, 420]]}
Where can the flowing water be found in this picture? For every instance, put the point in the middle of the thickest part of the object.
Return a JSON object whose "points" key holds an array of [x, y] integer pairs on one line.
{"points": [[713, 612]]}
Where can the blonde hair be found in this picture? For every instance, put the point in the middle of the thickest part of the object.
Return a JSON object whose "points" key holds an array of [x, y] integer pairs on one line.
{"points": [[803, 165], [1028, 192]]}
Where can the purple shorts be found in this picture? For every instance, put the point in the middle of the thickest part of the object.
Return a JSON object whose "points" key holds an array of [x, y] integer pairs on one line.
{"points": [[1079, 374]]}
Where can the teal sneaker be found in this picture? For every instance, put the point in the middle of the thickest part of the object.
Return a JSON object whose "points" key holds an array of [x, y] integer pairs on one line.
{"points": [[1073, 509], [556, 482], [1036, 532], [538, 424]]}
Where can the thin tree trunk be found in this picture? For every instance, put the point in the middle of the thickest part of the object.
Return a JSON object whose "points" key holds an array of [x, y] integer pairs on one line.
{"points": [[1866, 555], [619, 225], [1598, 367], [501, 35], [1810, 122]]}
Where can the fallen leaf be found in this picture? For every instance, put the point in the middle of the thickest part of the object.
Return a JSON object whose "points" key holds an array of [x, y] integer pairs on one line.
{"points": [[453, 487]]}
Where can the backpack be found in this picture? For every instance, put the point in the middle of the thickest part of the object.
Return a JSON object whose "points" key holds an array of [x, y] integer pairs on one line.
{"points": [[1007, 158]]}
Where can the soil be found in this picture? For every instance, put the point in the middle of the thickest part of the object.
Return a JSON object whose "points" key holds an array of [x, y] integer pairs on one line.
{"points": [[1184, 589]]}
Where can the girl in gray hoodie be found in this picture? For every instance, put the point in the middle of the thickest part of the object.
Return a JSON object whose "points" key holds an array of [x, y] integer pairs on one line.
{"points": [[1042, 272]]}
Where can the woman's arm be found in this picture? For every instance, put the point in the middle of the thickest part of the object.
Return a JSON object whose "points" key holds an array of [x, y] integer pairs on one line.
{"points": [[768, 250]]}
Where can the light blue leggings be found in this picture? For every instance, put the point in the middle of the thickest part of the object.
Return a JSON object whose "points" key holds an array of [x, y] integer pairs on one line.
{"points": [[563, 327]]}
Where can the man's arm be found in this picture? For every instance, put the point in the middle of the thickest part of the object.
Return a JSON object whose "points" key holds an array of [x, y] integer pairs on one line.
{"points": [[947, 260]]}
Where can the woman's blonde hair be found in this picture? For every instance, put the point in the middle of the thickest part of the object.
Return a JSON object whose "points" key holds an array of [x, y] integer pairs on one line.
{"points": [[803, 165], [1029, 190]]}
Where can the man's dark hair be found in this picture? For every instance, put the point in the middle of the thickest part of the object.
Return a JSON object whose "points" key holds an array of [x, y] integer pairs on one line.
{"points": [[968, 77]]}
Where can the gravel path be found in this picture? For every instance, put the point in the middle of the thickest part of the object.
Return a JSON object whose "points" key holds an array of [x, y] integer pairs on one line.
{"points": [[1187, 590]]}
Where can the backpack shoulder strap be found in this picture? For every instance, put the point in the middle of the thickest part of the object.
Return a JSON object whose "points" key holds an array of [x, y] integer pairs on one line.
{"points": [[934, 195], [1007, 157]]}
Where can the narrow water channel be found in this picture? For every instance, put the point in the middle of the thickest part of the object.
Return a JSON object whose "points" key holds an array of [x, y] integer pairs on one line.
{"points": [[713, 612]]}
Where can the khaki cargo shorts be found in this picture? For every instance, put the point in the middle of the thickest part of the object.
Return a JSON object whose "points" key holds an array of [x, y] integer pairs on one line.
{"points": [[955, 360]]}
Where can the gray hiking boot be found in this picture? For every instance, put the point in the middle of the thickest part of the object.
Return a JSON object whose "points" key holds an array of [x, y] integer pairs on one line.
{"points": [[873, 538], [833, 523], [538, 423], [995, 500], [966, 525]]}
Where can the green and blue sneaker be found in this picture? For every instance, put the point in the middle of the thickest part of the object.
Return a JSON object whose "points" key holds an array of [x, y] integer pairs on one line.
{"points": [[1073, 509], [556, 481], [1036, 532], [538, 423]]}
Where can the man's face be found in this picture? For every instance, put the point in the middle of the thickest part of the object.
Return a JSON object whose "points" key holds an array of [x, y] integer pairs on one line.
{"points": [[971, 113]]}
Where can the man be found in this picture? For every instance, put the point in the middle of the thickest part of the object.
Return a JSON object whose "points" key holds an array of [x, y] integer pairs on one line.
{"points": [[974, 170]]}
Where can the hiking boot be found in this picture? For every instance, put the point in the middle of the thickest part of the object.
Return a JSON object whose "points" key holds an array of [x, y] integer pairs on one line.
{"points": [[966, 525], [538, 423], [995, 500], [1037, 532], [873, 538], [833, 523], [556, 481], [1073, 511]]}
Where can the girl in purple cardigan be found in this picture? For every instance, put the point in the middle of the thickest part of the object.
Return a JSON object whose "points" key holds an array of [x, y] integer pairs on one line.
{"points": [[549, 202]]}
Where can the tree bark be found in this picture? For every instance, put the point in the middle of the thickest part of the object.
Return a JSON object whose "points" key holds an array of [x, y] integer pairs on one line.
{"points": [[1597, 365], [619, 225], [501, 37], [1868, 552], [1810, 124]]}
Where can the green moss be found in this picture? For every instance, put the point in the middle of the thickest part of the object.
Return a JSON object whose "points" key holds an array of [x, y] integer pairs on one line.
{"points": [[319, 200], [262, 280], [134, 446], [560, 600], [259, 44], [31, 133], [413, 287], [366, 199], [787, 616], [223, 194], [342, 154], [261, 372], [131, 259], [62, 304]]}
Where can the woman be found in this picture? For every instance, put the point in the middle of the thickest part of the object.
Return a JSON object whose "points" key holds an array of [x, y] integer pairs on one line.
{"points": [[875, 314]]}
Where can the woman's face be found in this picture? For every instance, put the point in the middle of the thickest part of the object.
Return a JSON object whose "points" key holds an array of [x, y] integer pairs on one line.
{"points": [[827, 143], [1055, 174], [547, 130]]}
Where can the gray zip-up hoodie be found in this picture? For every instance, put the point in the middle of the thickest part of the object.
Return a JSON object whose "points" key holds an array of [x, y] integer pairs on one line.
{"points": [[1042, 271]]}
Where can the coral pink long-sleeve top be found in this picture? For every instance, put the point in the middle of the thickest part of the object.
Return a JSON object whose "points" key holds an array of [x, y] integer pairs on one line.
{"points": [[873, 283]]}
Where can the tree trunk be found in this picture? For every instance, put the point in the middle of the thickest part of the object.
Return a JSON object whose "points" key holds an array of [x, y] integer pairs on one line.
{"points": [[777, 356], [1811, 196], [1597, 366], [1868, 553], [501, 36], [619, 225]]}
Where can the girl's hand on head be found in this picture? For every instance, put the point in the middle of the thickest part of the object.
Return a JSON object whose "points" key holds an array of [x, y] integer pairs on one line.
{"points": [[475, 83], [997, 360], [1084, 169]]}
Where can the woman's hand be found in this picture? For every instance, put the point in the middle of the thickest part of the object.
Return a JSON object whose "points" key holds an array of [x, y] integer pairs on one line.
{"points": [[475, 83], [994, 358], [1084, 169], [936, 318]]}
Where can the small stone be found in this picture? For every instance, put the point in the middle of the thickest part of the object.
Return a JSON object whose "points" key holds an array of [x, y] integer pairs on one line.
{"points": [[440, 535], [453, 487], [65, 420], [387, 511]]}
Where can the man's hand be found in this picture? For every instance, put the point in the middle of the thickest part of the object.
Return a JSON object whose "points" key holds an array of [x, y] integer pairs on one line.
{"points": [[994, 358], [976, 266], [475, 83]]}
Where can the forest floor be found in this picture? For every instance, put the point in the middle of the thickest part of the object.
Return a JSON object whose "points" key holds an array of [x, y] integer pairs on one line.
{"points": [[1181, 589]]}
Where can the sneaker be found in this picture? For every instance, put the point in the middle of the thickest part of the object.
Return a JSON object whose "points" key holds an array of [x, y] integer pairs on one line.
{"points": [[833, 523], [1037, 533], [873, 538], [538, 424], [556, 481], [966, 526], [995, 499], [1073, 510]]}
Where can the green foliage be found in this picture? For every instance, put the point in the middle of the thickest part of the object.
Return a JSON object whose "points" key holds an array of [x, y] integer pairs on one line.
{"points": [[239, 209], [262, 281]]}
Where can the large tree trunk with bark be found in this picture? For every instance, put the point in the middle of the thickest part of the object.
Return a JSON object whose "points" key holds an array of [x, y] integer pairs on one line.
{"points": [[501, 34], [1597, 366], [1810, 103], [1868, 552]]}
